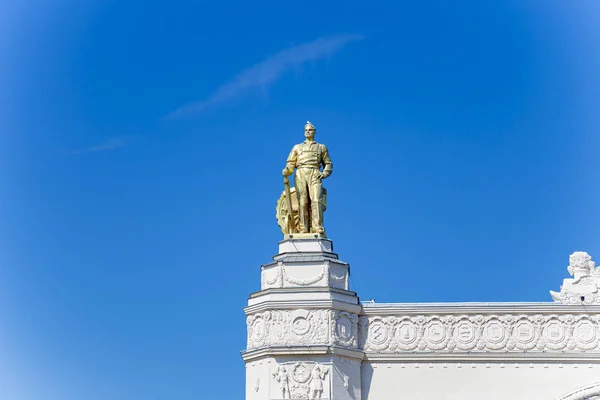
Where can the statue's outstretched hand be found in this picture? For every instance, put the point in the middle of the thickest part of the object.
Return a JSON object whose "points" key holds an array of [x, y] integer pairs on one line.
{"points": [[286, 172]]}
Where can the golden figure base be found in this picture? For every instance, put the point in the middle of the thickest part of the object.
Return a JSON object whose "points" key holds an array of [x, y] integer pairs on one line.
{"points": [[304, 236], [281, 212]]}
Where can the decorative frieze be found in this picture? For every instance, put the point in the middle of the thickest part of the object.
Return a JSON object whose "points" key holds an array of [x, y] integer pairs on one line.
{"points": [[302, 327], [483, 333], [328, 273]]}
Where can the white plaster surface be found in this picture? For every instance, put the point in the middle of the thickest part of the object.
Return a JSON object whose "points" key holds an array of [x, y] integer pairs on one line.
{"points": [[258, 379], [474, 381], [305, 245]]}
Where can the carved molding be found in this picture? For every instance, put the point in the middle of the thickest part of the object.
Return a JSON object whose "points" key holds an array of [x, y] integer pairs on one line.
{"points": [[591, 392], [302, 327], [484, 333]]}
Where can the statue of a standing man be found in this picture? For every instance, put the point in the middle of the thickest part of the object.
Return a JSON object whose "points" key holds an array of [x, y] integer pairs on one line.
{"points": [[307, 158]]}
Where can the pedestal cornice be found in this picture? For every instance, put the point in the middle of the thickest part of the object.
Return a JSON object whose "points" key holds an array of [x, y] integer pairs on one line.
{"points": [[312, 298], [314, 350]]}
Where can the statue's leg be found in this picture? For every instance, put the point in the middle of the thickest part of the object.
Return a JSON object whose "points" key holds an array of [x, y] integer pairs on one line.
{"points": [[301, 181], [316, 187]]}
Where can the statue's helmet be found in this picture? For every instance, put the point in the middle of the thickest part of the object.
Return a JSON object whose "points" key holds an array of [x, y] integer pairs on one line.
{"points": [[309, 125]]}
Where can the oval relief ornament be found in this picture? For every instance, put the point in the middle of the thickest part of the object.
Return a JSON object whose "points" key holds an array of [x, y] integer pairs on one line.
{"points": [[258, 330], [464, 335], [524, 334], [300, 325], [495, 334], [344, 328], [435, 334], [585, 334], [554, 334]]}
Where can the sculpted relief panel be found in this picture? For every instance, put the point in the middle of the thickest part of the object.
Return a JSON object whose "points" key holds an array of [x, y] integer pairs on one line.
{"points": [[330, 273], [456, 333], [583, 287], [290, 327], [302, 380]]}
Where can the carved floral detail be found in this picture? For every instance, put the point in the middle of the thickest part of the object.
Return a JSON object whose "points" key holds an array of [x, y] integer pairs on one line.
{"points": [[276, 276], [275, 281], [304, 282]]}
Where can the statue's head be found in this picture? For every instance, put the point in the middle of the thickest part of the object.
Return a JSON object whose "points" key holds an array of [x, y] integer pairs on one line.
{"points": [[309, 130]]}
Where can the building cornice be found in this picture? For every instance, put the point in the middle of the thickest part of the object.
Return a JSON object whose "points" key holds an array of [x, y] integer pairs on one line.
{"points": [[483, 358], [369, 309]]}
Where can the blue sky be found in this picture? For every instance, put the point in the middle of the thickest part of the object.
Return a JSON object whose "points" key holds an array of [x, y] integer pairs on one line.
{"points": [[142, 146]]}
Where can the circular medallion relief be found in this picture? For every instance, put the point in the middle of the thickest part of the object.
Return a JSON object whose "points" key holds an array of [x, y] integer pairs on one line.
{"points": [[406, 332], [301, 373], [300, 325], [464, 332], [378, 333]]}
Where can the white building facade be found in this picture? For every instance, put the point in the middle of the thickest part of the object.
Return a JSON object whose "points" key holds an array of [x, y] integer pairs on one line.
{"points": [[310, 338]]}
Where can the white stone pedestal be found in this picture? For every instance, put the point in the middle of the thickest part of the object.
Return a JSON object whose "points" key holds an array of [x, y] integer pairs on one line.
{"points": [[305, 263], [303, 327]]}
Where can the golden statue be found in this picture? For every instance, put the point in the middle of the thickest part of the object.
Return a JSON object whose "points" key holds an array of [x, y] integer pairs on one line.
{"points": [[310, 196]]}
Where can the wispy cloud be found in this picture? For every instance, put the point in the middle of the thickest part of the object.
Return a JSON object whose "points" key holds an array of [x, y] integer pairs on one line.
{"points": [[110, 144], [263, 74]]}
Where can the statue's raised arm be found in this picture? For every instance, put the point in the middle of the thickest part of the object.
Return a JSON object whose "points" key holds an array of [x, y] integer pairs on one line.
{"points": [[307, 199]]}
